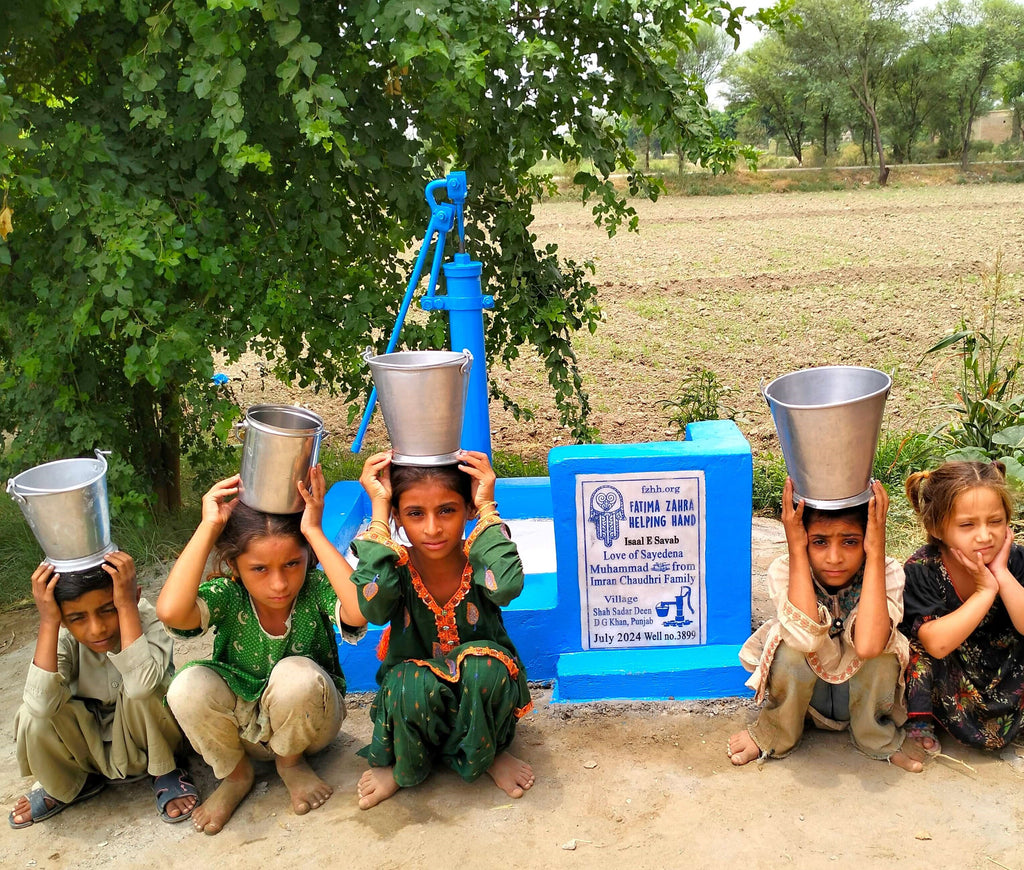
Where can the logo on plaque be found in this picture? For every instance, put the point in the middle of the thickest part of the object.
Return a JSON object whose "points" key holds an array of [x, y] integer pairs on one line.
{"points": [[606, 512]]}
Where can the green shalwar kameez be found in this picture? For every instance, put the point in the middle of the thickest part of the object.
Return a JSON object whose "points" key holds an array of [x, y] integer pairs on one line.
{"points": [[451, 682]]}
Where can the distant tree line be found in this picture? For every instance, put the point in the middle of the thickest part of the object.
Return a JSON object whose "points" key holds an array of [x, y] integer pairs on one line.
{"points": [[892, 79]]}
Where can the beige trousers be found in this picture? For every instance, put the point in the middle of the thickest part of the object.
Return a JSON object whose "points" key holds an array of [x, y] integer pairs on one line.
{"points": [[60, 751], [299, 712], [791, 686]]}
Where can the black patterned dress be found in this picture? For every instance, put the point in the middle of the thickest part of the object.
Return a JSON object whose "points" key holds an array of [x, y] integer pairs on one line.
{"points": [[977, 691]]}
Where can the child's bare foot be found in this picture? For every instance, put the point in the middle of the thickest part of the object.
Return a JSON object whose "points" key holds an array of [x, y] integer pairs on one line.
{"points": [[512, 775], [307, 790], [921, 747], [376, 785], [906, 761], [742, 748], [212, 814]]}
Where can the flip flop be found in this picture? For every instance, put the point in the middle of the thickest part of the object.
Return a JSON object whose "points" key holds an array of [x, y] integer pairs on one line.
{"points": [[171, 786], [38, 797]]}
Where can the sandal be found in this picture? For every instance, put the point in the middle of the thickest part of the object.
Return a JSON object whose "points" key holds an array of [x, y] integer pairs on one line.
{"points": [[41, 810], [171, 786]]}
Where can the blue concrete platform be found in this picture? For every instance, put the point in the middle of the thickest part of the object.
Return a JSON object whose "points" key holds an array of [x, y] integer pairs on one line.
{"points": [[545, 621], [707, 671]]}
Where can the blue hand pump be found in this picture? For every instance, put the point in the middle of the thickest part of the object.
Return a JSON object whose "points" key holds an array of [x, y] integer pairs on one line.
{"points": [[464, 301]]}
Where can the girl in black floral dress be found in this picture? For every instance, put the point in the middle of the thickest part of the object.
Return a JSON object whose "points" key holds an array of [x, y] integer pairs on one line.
{"points": [[964, 610]]}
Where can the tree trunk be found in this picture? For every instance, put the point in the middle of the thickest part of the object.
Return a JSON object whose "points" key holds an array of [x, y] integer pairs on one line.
{"points": [[883, 170], [170, 448], [824, 134], [157, 420], [965, 149]]}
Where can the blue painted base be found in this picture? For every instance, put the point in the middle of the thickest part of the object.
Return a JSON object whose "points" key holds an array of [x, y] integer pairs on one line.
{"points": [[711, 671], [544, 622]]}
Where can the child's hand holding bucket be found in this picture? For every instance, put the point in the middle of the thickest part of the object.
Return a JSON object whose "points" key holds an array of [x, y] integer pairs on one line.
{"points": [[478, 467], [220, 501], [121, 568], [874, 533], [313, 496], [376, 478], [793, 520], [44, 578]]}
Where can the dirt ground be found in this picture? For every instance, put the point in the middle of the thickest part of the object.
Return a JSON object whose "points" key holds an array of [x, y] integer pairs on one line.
{"points": [[642, 784], [750, 287]]}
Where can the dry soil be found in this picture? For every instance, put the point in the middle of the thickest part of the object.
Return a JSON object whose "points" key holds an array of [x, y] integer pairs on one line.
{"points": [[750, 287]]}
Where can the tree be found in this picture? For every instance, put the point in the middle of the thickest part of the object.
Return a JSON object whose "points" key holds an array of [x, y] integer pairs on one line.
{"points": [[970, 43], [854, 42], [1011, 89], [701, 60], [911, 99], [202, 178], [767, 80]]}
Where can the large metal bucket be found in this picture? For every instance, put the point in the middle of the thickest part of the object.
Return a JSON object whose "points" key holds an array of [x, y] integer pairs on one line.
{"points": [[280, 444], [65, 505], [828, 420], [422, 395]]}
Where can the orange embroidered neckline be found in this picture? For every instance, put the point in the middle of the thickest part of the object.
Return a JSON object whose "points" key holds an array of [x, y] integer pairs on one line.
{"points": [[444, 617]]}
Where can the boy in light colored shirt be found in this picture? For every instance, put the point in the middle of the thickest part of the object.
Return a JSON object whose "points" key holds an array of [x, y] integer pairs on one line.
{"points": [[93, 708]]}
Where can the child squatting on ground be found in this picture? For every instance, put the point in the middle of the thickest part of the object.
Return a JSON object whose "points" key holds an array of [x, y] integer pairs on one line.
{"points": [[274, 688], [93, 708], [833, 651], [452, 685], [964, 610]]}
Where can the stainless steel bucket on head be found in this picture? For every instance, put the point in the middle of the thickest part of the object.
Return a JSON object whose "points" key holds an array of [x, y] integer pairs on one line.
{"points": [[280, 444], [422, 395], [828, 420], [65, 505]]}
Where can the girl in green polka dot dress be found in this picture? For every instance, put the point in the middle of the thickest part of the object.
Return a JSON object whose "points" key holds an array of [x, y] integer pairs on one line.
{"points": [[274, 688]]}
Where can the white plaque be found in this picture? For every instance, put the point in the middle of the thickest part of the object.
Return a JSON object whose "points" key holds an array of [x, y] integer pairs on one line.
{"points": [[641, 559]]}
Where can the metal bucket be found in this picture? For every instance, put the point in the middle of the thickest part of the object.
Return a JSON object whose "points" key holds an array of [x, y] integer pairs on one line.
{"points": [[65, 505], [422, 395], [828, 420], [280, 444]]}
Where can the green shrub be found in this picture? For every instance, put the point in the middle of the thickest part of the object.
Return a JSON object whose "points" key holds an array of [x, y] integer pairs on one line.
{"points": [[988, 405], [849, 154], [769, 478], [700, 398]]}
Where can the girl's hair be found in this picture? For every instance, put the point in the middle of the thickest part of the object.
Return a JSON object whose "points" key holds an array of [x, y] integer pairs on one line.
{"points": [[858, 513], [932, 494], [75, 584], [449, 476], [245, 525]]}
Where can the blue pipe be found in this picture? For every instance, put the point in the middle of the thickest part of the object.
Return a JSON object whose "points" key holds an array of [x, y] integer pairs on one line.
{"points": [[464, 301], [441, 218]]}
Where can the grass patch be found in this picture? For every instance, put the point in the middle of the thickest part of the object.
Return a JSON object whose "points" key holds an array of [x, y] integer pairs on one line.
{"points": [[697, 182]]}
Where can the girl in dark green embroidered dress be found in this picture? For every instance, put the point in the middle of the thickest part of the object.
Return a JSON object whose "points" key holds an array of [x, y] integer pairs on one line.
{"points": [[452, 686], [964, 610]]}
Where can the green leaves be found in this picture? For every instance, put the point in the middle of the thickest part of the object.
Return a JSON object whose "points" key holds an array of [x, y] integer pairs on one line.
{"points": [[216, 177]]}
